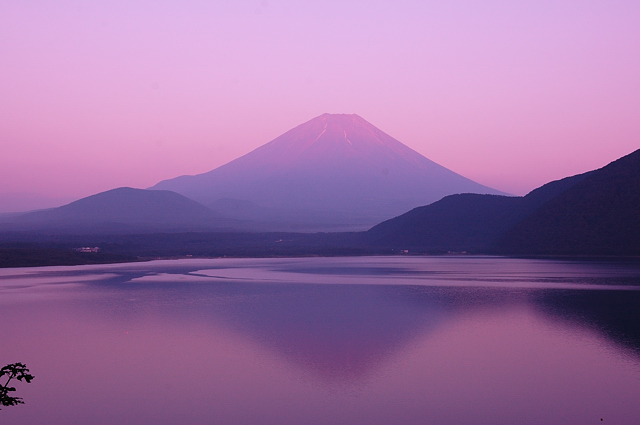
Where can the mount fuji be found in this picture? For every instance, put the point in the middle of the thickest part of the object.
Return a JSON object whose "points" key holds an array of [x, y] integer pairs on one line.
{"points": [[335, 172]]}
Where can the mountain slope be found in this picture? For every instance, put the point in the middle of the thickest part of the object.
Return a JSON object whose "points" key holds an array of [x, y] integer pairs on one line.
{"points": [[598, 216], [123, 209], [466, 222], [332, 172]]}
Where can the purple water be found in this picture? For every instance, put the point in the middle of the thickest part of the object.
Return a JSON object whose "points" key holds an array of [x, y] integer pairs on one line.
{"points": [[371, 340]]}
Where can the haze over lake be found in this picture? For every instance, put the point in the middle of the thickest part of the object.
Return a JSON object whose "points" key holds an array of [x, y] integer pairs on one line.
{"points": [[366, 340]]}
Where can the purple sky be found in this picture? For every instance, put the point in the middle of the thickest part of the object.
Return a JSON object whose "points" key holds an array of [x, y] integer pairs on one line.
{"points": [[96, 95]]}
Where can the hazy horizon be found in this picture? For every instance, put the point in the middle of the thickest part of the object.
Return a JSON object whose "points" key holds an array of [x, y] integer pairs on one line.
{"points": [[99, 96]]}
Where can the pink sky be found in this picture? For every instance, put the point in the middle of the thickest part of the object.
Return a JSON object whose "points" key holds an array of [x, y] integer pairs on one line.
{"points": [[96, 95]]}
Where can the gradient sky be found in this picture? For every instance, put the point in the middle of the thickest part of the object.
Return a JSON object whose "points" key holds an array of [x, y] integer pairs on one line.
{"points": [[96, 95]]}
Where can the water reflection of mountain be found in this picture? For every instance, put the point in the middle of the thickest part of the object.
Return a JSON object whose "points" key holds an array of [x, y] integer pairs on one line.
{"points": [[341, 333], [344, 332]]}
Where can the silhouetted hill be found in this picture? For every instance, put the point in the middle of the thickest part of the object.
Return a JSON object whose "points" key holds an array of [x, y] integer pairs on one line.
{"points": [[123, 210], [598, 216], [456, 223], [465, 222], [332, 173]]}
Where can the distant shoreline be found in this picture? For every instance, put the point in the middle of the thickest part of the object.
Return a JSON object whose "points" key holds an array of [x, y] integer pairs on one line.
{"points": [[42, 257]]}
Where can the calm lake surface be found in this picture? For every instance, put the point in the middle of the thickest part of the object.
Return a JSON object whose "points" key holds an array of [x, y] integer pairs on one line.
{"points": [[368, 340]]}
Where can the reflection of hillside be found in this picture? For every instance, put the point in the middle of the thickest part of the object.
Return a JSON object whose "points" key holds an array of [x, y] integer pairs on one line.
{"points": [[615, 314]]}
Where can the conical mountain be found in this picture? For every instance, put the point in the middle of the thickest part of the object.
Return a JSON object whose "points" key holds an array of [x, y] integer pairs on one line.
{"points": [[334, 172]]}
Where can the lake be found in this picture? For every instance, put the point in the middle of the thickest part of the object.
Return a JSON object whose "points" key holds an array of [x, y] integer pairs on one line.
{"points": [[361, 340]]}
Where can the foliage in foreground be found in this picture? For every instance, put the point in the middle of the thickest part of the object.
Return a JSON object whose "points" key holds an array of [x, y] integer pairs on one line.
{"points": [[13, 371]]}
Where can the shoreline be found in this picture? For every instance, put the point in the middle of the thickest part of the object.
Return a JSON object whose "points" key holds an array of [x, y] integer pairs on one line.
{"points": [[44, 257]]}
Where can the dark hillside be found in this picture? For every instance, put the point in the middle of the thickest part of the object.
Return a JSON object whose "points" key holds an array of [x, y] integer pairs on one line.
{"points": [[465, 222], [598, 216]]}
